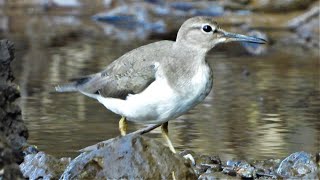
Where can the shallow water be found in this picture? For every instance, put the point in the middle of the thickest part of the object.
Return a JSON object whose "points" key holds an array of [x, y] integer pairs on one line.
{"points": [[260, 107]]}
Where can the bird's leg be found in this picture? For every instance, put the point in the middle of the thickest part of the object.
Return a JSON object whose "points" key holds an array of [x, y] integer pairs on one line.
{"points": [[164, 131], [123, 126]]}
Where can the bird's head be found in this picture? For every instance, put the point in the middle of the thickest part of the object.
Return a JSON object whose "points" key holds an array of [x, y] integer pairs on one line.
{"points": [[204, 33]]}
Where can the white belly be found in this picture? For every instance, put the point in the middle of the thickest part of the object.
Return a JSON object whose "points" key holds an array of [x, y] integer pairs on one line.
{"points": [[159, 102]]}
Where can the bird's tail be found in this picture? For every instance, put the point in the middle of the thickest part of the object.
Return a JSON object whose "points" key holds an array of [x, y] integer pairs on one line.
{"points": [[73, 85], [70, 87]]}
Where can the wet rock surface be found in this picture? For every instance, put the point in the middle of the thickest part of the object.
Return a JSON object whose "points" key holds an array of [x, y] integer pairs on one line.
{"points": [[296, 165], [306, 27], [136, 157], [43, 166], [129, 157], [266, 168], [130, 20], [13, 132]]}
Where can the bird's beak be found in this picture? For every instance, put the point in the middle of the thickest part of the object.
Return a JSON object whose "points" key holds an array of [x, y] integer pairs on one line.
{"points": [[239, 37]]}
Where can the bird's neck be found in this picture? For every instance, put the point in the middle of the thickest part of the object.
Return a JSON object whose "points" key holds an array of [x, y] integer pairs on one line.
{"points": [[191, 52]]}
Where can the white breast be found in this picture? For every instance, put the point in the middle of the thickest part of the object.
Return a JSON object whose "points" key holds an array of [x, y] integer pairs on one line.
{"points": [[196, 90], [199, 82]]}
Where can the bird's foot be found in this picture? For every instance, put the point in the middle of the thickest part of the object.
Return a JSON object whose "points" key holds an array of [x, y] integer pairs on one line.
{"points": [[123, 126], [165, 131]]}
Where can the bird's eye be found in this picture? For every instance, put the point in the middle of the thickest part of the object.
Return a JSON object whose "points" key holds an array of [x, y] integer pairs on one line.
{"points": [[207, 28]]}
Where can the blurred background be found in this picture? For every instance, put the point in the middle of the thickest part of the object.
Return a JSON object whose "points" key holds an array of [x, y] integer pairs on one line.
{"points": [[265, 101]]}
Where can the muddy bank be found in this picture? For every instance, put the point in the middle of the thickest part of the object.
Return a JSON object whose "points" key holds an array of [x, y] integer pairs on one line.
{"points": [[13, 131]]}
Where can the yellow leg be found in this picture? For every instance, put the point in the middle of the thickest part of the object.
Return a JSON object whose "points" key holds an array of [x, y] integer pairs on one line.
{"points": [[164, 130], [123, 126]]}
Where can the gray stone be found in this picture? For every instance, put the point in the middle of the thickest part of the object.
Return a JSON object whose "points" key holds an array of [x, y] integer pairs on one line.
{"points": [[297, 164], [43, 166], [129, 157], [215, 176], [307, 29], [130, 21], [206, 164], [266, 168], [240, 168]]}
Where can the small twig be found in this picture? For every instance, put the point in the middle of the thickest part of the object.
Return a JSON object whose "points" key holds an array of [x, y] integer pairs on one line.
{"points": [[103, 143], [265, 174], [145, 130]]}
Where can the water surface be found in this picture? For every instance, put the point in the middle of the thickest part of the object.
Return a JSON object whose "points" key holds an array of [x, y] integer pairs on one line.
{"points": [[260, 106]]}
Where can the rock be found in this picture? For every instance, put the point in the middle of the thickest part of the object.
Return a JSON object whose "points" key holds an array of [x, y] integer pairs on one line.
{"points": [[140, 20], [280, 6], [202, 164], [305, 17], [129, 157], [307, 28], [6, 56], [130, 21], [215, 176], [241, 168], [298, 164], [9, 169], [305, 31], [229, 171], [13, 132], [11, 123], [31, 149], [266, 168], [245, 170], [132, 16], [43, 166]]}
